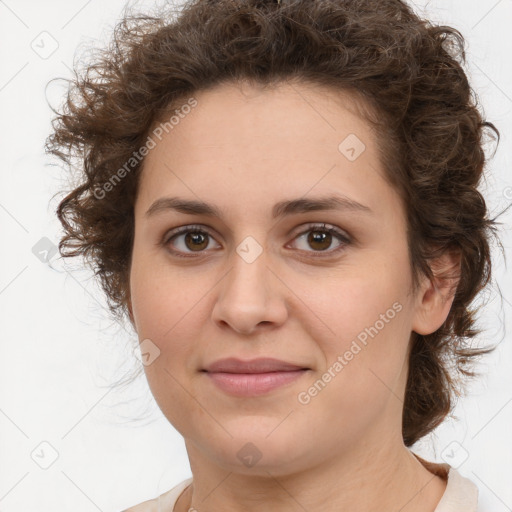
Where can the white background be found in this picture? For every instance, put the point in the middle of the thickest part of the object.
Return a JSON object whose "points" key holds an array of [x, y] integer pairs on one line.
{"points": [[60, 352]]}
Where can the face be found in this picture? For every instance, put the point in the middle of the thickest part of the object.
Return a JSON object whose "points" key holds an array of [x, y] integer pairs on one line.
{"points": [[325, 287]]}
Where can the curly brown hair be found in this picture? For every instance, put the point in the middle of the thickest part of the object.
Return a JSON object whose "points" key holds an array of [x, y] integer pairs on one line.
{"points": [[408, 71]]}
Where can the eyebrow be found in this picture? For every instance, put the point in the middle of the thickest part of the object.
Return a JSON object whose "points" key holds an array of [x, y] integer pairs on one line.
{"points": [[281, 209]]}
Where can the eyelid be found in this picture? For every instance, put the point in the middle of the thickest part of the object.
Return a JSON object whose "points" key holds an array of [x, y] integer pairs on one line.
{"points": [[321, 226], [185, 229], [172, 233], [344, 238]]}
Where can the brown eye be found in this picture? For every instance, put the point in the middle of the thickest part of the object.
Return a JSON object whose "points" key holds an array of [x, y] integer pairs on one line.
{"points": [[184, 241], [188, 239], [196, 241], [320, 238]]}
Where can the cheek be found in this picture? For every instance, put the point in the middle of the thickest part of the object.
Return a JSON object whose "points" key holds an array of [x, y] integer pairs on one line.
{"points": [[166, 307], [370, 315], [164, 301], [364, 371], [353, 302], [169, 318], [168, 326]]}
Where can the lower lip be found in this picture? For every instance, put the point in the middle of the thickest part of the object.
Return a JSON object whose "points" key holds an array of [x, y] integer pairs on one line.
{"points": [[253, 384]]}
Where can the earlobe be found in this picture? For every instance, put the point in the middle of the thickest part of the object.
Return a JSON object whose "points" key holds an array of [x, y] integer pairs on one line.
{"points": [[435, 296]]}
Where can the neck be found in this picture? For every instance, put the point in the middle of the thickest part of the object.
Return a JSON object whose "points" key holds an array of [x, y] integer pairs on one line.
{"points": [[384, 478]]}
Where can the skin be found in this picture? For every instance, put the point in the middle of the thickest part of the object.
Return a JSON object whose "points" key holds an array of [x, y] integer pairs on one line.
{"points": [[244, 149]]}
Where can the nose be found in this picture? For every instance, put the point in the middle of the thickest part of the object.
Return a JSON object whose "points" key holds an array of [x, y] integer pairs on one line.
{"points": [[251, 297]]}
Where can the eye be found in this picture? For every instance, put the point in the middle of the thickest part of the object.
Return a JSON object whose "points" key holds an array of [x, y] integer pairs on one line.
{"points": [[320, 238], [195, 238]]}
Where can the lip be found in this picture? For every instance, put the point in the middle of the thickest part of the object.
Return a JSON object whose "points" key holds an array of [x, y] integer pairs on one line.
{"points": [[254, 377], [259, 365]]}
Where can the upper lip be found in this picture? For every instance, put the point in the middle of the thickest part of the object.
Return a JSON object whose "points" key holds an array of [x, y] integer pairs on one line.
{"points": [[259, 365]]}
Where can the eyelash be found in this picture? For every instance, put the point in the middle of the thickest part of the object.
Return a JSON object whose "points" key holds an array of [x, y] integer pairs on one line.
{"points": [[314, 227]]}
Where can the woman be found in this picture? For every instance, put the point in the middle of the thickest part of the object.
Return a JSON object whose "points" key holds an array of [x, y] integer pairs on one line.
{"points": [[282, 197]]}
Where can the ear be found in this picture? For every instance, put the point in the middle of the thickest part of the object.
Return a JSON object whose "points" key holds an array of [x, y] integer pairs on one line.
{"points": [[435, 297]]}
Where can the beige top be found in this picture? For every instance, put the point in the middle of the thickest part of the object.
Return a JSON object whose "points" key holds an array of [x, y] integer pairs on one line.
{"points": [[460, 495]]}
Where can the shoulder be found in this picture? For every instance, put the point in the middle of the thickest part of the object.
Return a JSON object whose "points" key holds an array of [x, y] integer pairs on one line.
{"points": [[167, 499], [461, 494]]}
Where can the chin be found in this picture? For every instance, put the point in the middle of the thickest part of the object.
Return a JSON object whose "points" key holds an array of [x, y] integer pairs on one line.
{"points": [[259, 448]]}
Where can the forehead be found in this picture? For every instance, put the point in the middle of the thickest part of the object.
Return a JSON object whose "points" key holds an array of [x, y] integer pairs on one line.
{"points": [[285, 111], [243, 140]]}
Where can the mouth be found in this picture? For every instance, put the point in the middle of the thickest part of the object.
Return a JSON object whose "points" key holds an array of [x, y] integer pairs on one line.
{"points": [[252, 378]]}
